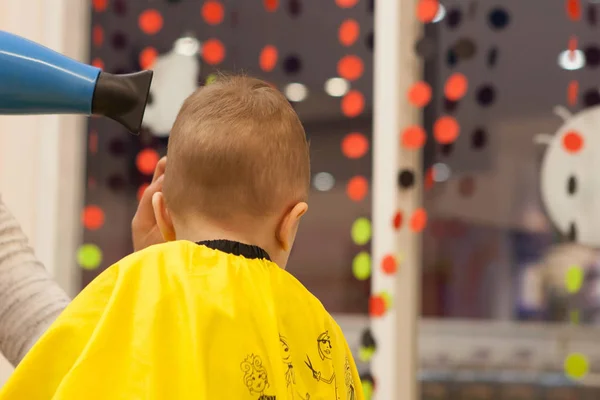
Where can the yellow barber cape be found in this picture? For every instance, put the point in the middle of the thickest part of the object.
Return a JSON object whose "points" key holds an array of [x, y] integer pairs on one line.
{"points": [[182, 321]]}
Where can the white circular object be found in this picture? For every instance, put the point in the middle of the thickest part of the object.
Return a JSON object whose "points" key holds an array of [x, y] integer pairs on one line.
{"points": [[337, 87], [323, 181], [296, 92], [441, 13], [187, 46], [441, 172], [571, 60]]}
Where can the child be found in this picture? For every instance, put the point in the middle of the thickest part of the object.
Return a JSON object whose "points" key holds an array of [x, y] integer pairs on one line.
{"points": [[209, 315]]}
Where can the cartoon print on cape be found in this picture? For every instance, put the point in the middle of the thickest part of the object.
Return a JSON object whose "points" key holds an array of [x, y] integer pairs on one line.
{"points": [[255, 377], [324, 349], [290, 375], [350, 390]]}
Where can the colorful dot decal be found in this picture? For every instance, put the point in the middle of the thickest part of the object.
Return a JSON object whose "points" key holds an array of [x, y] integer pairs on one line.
{"points": [[353, 104], [349, 32], [150, 22], [213, 51], [89, 256], [406, 179], [361, 266], [419, 94], [210, 79], [486, 95], [292, 64], [397, 220], [387, 298], [427, 10], [98, 63], [413, 137], [573, 9], [355, 145], [446, 130], [97, 36], [572, 142], [361, 231], [576, 366], [146, 161], [268, 58], [574, 279], [466, 186], [499, 18], [389, 265], [271, 5], [377, 306], [92, 217], [346, 3], [357, 188], [213, 12], [350, 67], [147, 57], [100, 5], [456, 86], [418, 220]]}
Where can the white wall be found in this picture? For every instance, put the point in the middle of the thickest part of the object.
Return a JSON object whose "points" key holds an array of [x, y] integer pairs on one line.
{"points": [[42, 157]]}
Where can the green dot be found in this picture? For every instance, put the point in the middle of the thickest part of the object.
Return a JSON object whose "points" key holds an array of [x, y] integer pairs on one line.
{"points": [[89, 256], [361, 266], [367, 390], [574, 279], [210, 79], [365, 354], [361, 231], [387, 298], [576, 366]]}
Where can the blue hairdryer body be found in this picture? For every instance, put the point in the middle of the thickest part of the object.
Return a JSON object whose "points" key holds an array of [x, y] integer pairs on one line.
{"points": [[37, 80]]}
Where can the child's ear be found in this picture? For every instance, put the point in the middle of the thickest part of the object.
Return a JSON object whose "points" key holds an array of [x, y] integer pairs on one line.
{"points": [[286, 233], [162, 216]]}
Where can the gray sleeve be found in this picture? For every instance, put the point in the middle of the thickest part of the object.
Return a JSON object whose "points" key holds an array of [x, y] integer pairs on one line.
{"points": [[30, 300]]}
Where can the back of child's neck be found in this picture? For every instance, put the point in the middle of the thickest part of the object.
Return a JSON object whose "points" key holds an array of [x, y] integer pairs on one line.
{"points": [[209, 232]]}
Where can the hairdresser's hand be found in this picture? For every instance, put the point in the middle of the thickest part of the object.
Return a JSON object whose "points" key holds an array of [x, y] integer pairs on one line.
{"points": [[144, 230]]}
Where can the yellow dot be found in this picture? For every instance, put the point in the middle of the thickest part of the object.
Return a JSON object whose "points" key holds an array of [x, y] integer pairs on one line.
{"points": [[576, 366], [367, 390], [574, 279], [387, 298], [361, 231], [89, 256], [210, 79], [361, 266], [365, 354]]}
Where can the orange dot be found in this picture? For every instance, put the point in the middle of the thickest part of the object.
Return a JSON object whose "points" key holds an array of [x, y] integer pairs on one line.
{"points": [[427, 10], [446, 130], [413, 137], [456, 86], [397, 221], [350, 67], [418, 220], [100, 5], [389, 265], [213, 51], [348, 32], [353, 104], [429, 178], [148, 57], [419, 94], [355, 145], [572, 142], [574, 9], [98, 63], [271, 5], [146, 161], [141, 190], [573, 45], [346, 3], [93, 142], [268, 58], [92, 217], [573, 93], [357, 188], [376, 306], [213, 12], [150, 22], [98, 35]]}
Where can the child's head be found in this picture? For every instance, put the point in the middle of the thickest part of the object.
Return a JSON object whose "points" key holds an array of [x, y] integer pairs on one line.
{"points": [[237, 167]]}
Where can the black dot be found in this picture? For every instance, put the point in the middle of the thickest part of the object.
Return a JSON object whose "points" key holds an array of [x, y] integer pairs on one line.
{"points": [[499, 18], [406, 179], [446, 149], [492, 57], [120, 7], [294, 8], [479, 139], [451, 58], [371, 6], [465, 49], [591, 98], [367, 340], [572, 234], [425, 47], [117, 147], [592, 56], [370, 41], [450, 106], [150, 99], [572, 185], [486, 95], [453, 18], [119, 40], [292, 65], [116, 182], [592, 15]]}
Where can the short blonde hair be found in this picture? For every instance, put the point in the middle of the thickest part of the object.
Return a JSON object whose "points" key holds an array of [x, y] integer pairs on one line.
{"points": [[237, 145]]}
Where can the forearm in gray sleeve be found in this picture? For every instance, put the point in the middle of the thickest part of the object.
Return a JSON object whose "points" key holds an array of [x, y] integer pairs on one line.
{"points": [[30, 300]]}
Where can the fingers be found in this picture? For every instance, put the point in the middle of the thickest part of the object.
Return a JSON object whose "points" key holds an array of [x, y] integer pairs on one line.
{"points": [[160, 169]]}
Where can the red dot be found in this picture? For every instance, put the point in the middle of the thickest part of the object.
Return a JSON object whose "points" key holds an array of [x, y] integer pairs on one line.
{"points": [[427, 10], [353, 104], [93, 142], [348, 32], [268, 58], [357, 188], [98, 63], [413, 137], [456, 86], [419, 94], [146, 161], [573, 93], [141, 190], [271, 5], [148, 57], [429, 178], [446, 130], [389, 265], [350, 67], [213, 12], [376, 306], [150, 22], [213, 51], [572, 142], [355, 145], [346, 3], [100, 5], [418, 220], [92, 217], [397, 222], [98, 35], [574, 9]]}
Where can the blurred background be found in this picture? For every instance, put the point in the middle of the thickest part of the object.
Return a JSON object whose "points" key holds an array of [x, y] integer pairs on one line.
{"points": [[509, 267]]}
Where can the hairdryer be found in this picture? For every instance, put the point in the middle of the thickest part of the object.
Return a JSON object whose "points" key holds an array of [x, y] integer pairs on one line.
{"points": [[37, 80]]}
